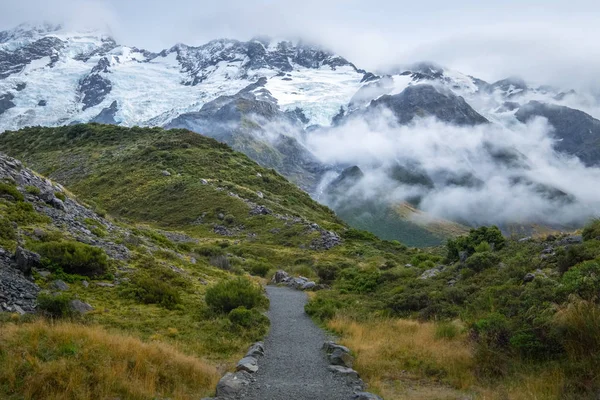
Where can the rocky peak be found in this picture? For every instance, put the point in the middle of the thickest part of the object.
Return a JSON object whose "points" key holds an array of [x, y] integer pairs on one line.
{"points": [[29, 31]]}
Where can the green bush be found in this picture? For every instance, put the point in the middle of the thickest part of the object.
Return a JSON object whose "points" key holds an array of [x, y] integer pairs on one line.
{"points": [[11, 190], [327, 272], [221, 262], [573, 255], [259, 269], [583, 280], [58, 305], [230, 294], [446, 330], [322, 308], [74, 257], [592, 230], [152, 290], [481, 261], [7, 232], [245, 318], [60, 196], [34, 190], [492, 235], [359, 235], [354, 280]]}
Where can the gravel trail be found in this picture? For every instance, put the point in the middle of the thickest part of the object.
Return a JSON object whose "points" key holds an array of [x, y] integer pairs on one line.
{"points": [[294, 366]]}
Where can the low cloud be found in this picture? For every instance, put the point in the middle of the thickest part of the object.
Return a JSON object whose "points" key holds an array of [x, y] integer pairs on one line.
{"points": [[486, 174]]}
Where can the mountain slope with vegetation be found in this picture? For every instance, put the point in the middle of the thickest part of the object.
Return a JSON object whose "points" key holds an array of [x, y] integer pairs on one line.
{"points": [[163, 225]]}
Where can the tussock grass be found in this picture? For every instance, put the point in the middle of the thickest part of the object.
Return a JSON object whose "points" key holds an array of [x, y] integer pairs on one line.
{"points": [[385, 348], [70, 361], [405, 359]]}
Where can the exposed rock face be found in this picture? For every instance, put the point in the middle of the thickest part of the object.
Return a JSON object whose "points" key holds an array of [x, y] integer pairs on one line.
{"points": [[578, 132], [6, 102], [107, 115], [15, 62], [17, 293], [26, 260], [426, 100], [95, 87]]}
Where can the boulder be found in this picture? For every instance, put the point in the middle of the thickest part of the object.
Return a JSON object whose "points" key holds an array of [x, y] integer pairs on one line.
{"points": [[232, 383], [58, 204], [256, 350], [528, 278], [60, 285], [329, 347], [26, 260], [344, 371], [308, 285], [165, 173], [462, 256], [341, 357], [248, 364], [80, 307], [575, 239], [281, 277]]}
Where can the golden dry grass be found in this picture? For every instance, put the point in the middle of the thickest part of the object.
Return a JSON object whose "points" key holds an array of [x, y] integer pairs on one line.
{"points": [[403, 359], [66, 361]]}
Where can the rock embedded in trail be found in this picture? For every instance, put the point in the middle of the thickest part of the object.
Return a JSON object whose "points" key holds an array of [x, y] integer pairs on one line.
{"points": [[366, 396], [344, 371], [248, 364], [232, 384], [256, 350], [340, 357]]}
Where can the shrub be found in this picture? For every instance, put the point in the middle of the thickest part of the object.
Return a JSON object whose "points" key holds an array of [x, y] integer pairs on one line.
{"points": [[74, 257], [152, 290], [592, 230], [58, 305], [245, 318], [7, 232], [446, 330], [221, 262], [492, 235], [322, 308], [583, 280], [359, 235], [230, 294], [573, 255], [34, 190], [11, 190], [60, 196], [356, 280], [480, 261], [259, 269], [327, 272]]}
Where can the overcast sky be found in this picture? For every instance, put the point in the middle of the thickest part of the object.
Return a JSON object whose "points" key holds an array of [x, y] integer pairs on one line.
{"points": [[545, 41]]}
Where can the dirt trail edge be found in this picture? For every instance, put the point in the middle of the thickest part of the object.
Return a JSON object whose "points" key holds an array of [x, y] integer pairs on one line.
{"points": [[294, 366]]}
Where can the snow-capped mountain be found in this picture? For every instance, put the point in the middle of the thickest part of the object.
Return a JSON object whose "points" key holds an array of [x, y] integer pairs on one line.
{"points": [[274, 99], [51, 76]]}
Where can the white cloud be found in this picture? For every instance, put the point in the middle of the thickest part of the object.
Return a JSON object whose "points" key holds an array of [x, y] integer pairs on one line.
{"points": [[511, 192]]}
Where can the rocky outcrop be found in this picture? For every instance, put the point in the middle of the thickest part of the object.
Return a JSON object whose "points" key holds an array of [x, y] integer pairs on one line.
{"points": [[427, 101], [578, 133], [299, 283], [17, 292]]}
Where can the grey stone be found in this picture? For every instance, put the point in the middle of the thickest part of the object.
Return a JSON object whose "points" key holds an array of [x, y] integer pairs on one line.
{"points": [[85, 284], [165, 173], [26, 260], [329, 347], [18, 309], [348, 372], [60, 285], [528, 278], [232, 383], [104, 284], [256, 350], [80, 307], [575, 239], [57, 203], [280, 277], [308, 285], [340, 357], [248, 364], [462, 256]]}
